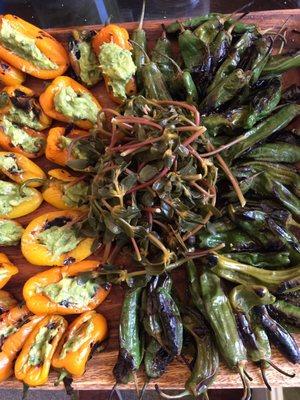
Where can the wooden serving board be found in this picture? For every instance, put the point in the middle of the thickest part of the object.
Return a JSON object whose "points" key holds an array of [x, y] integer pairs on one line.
{"points": [[99, 370]]}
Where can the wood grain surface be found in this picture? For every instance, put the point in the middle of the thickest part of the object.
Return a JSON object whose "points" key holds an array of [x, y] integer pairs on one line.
{"points": [[99, 370]]}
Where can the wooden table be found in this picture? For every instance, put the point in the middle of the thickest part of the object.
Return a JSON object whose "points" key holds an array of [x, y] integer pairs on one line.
{"points": [[99, 370]]}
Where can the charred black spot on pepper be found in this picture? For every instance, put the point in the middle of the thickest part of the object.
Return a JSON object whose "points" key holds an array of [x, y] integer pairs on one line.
{"points": [[69, 260], [51, 325], [59, 222], [65, 303]]}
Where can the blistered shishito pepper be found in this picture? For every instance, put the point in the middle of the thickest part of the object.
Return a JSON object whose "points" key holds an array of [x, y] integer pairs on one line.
{"points": [[9, 75], [13, 344], [20, 169], [58, 141], [7, 270], [75, 348], [31, 49], [83, 58], [68, 290], [112, 46], [33, 363], [139, 46], [280, 63], [68, 101], [7, 301], [16, 201], [10, 232], [65, 191], [54, 239]]}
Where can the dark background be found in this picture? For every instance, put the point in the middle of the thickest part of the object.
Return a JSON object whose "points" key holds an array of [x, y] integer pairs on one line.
{"points": [[59, 13]]}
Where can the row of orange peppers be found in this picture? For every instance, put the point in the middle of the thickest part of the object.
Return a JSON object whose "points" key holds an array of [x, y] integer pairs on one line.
{"points": [[13, 66], [27, 322]]}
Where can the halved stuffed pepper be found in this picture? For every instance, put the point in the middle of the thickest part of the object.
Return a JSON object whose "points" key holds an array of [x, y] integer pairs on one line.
{"points": [[31, 49], [7, 270], [16, 201], [9, 75], [20, 169], [83, 59], [10, 232], [112, 46], [15, 327], [67, 290], [78, 342], [33, 363], [65, 191], [20, 105], [54, 239], [68, 101], [62, 145]]}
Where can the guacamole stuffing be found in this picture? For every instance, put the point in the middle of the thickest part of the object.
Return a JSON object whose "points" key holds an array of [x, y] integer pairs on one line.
{"points": [[73, 291], [59, 239], [8, 162], [11, 197], [24, 118], [76, 195], [78, 339], [117, 65], [20, 138], [7, 330], [77, 106], [90, 72], [10, 233], [24, 46], [41, 347]]}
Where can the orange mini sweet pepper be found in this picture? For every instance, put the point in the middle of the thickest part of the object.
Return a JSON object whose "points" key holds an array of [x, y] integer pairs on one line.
{"points": [[68, 101], [54, 239], [43, 56], [58, 142], [7, 270], [65, 191], [20, 169], [18, 201], [33, 363], [9, 75], [79, 340], [118, 35], [67, 290], [7, 301], [13, 344]]}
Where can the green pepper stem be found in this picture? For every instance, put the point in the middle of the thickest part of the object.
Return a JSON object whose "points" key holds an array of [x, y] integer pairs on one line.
{"points": [[140, 27], [25, 391], [174, 396]]}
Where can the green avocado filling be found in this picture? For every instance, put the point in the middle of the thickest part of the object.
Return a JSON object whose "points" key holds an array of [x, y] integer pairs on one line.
{"points": [[116, 63], [90, 72], [24, 118], [10, 233], [76, 195], [20, 138], [77, 106], [11, 197], [23, 46], [74, 291], [41, 347], [78, 339], [59, 239], [8, 162], [6, 331]]}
